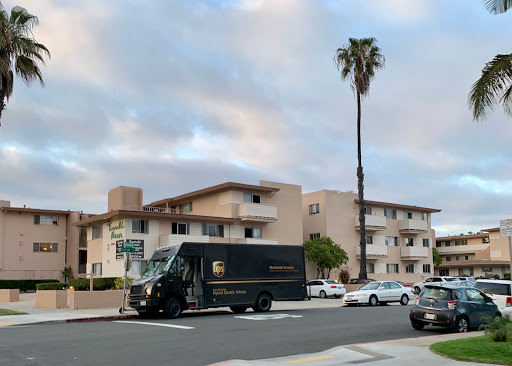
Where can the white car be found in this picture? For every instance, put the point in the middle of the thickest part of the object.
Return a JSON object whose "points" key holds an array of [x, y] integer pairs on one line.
{"points": [[436, 280], [325, 288], [380, 292], [500, 291]]}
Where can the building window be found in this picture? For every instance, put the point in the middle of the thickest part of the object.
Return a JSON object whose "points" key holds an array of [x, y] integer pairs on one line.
{"points": [[140, 226], [253, 232], [46, 247], [252, 198], [181, 228], [46, 220], [97, 232], [426, 268], [96, 269], [392, 241], [462, 257], [461, 242], [370, 267], [407, 215], [367, 210], [213, 230], [439, 244], [314, 236], [185, 207], [426, 243], [409, 242], [424, 216], [444, 272], [409, 268], [389, 213], [448, 259], [314, 208], [369, 239], [485, 240], [392, 268]]}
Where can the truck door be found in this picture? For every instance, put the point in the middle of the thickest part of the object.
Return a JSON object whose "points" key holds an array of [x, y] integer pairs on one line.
{"points": [[174, 276]]}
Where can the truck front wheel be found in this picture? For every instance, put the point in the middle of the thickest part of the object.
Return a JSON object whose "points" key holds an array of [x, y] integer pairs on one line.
{"points": [[263, 304], [172, 308]]}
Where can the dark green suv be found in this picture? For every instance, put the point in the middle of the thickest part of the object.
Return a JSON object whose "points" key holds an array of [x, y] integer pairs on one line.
{"points": [[456, 307]]}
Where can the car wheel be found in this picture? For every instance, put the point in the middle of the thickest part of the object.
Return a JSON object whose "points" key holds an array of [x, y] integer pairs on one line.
{"points": [[172, 308], [373, 300], [238, 309], [417, 325], [337, 296], [263, 304], [417, 290], [462, 325], [323, 295], [404, 300]]}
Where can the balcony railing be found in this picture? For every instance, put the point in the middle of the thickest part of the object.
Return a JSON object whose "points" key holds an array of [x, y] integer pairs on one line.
{"points": [[375, 251], [257, 212], [462, 249], [257, 241], [154, 209], [372, 222], [412, 226], [414, 252], [172, 239]]}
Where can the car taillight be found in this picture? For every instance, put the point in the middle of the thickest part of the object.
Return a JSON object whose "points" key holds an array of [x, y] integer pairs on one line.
{"points": [[452, 304], [417, 300], [509, 301], [334, 286]]}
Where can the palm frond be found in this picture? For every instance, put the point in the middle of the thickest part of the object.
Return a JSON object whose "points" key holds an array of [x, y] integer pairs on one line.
{"points": [[489, 90], [28, 70], [498, 6]]}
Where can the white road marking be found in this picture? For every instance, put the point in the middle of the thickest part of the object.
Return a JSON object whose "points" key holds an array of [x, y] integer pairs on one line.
{"points": [[267, 316], [156, 324]]}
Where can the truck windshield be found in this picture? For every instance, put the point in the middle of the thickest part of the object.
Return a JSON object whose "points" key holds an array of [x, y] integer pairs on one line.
{"points": [[158, 266]]}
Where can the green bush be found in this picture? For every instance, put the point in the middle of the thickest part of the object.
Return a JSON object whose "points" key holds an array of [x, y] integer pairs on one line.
{"points": [[23, 285], [499, 328], [506, 276], [52, 286], [119, 282], [98, 284]]}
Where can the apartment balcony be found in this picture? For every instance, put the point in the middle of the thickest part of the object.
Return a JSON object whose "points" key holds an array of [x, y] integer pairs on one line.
{"points": [[255, 212], [410, 226], [372, 222], [373, 251], [463, 249], [172, 239], [414, 253], [257, 241]]}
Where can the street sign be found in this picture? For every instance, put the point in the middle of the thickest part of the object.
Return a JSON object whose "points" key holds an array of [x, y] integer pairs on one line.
{"points": [[127, 250], [506, 227]]}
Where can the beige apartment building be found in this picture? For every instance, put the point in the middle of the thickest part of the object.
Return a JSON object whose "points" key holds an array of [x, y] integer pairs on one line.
{"points": [[269, 213], [38, 244], [399, 237], [483, 254]]}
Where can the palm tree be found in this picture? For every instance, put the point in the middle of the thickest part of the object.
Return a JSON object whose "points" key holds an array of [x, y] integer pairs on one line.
{"points": [[19, 51], [358, 60], [495, 84]]}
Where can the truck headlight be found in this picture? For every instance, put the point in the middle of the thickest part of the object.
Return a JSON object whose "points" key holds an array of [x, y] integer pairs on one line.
{"points": [[147, 288]]}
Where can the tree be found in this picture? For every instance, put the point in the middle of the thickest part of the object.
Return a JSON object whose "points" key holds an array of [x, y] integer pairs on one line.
{"points": [[325, 254], [67, 272], [19, 51], [436, 257], [357, 61], [495, 84]]}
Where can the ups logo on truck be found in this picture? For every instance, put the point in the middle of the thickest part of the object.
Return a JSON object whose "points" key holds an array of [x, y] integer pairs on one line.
{"points": [[218, 268]]}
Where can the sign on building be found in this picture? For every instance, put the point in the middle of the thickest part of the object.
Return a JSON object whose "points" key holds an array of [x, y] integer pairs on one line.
{"points": [[119, 245], [139, 248], [506, 227]]}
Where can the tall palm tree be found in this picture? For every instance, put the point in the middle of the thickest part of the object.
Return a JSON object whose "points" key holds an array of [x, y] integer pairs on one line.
{"points": [[358, 60], [495, 84], [19, 51]]}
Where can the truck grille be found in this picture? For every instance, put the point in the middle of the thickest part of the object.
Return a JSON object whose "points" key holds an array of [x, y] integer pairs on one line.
{"points": [[135, 290]]}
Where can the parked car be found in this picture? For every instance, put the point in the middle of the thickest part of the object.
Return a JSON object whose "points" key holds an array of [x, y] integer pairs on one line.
{"points": [[500, 291], [466, 279], [436, 280], [355, 281], [460, 284], [326, 288], [380, 292], [458, 308]]}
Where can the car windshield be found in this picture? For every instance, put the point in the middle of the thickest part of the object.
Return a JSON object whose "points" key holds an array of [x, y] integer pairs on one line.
{"points": [[452, 279], [157, 266], [493, 288], [436, 293], [331, 282], [371, 286]]}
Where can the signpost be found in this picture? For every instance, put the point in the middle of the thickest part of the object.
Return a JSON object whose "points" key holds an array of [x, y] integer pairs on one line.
{"points": [[506, 230], [127, 248]]}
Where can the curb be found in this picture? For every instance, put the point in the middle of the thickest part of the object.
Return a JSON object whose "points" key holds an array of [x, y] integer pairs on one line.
{"points": [[78, 320]]}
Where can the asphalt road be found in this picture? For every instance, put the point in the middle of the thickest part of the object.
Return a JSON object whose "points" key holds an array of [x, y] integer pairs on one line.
{"points": [[205, 337]]}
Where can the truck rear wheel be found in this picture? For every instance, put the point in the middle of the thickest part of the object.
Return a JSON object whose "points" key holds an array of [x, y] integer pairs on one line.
{"points": [[263, 304], [172, 308], [238, 309]]}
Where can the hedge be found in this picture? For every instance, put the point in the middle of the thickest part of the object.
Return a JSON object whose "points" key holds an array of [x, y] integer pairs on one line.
{"points": [[52, 286], [98, 284], [23, 285]]}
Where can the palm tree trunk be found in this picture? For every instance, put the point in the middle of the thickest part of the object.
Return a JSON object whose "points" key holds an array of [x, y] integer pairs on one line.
{"points": [[360, 191]]}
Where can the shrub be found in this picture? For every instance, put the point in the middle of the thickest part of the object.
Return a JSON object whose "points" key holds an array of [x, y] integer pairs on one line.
{"points": [[98, 284], [496, 277], [499, 328], [119, 282], [344, 276], [506, 276], [23, 285], [52, 286]]}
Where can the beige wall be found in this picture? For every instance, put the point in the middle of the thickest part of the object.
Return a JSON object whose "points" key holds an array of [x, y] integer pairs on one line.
{"points": [[120, 197]]}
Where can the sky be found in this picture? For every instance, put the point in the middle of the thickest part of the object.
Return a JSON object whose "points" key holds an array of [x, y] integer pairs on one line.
{"points": [[175, 96]]}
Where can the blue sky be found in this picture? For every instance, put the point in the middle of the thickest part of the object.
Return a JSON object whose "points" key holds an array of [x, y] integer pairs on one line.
{"points": [[174, 96]]}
